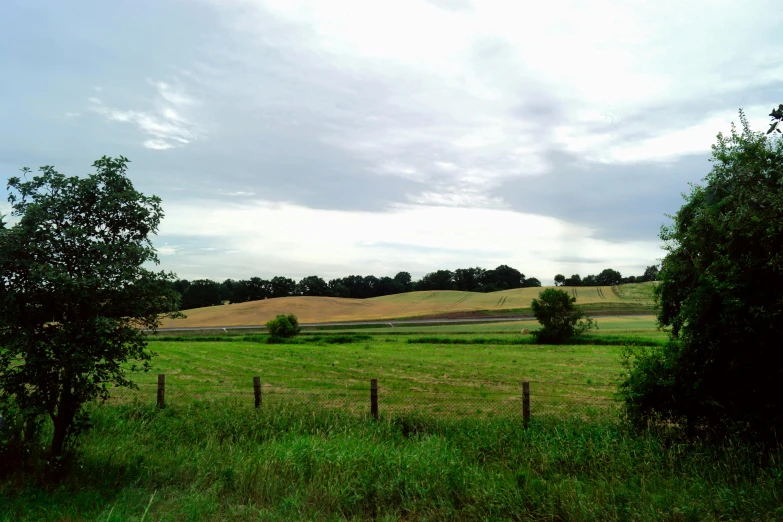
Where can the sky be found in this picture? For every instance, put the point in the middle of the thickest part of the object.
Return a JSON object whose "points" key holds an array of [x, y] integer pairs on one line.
{"points": [[300, 138]]}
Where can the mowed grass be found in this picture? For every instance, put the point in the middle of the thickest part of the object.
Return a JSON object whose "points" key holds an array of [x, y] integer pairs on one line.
{"points": [[209, 455], [632, 325], [410, 305], [437, 378]]}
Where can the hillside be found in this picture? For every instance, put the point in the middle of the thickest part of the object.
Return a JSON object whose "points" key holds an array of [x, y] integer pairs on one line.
{"points": [[597, 299]]}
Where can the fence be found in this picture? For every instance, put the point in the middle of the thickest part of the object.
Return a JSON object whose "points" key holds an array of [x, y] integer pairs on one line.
{"points": [[529, 399]]}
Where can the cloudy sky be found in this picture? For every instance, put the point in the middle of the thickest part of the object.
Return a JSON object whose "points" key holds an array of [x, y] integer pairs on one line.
{"points": [[338, 137]]}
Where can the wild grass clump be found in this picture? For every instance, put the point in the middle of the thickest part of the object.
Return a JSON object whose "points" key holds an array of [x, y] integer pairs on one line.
{"points": [[219, 460]]}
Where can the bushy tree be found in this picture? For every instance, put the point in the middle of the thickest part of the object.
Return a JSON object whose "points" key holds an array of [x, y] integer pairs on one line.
{"points": [[574, 280], [560, 319], [720, 295], [531, 282], [285, 326], [440, 280], [281, 287], [312, 285], [650, 273], [404, 280], [75, 294], [608, 277], [560, 280], [201, 293]]}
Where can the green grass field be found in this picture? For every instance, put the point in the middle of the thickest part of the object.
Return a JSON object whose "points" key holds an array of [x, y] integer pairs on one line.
{"points": [[218, 461], [449, 443]]}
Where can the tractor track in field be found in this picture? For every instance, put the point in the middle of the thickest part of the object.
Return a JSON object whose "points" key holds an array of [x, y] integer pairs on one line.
{"points": [[414, 303], [460, 301]]}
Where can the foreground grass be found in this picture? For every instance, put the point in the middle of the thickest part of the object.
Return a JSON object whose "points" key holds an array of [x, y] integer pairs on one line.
{"points": [[218, 461]]}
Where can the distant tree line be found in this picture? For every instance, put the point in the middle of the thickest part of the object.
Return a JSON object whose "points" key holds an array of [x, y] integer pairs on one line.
{"points": [[607, 277], [205, 292]]}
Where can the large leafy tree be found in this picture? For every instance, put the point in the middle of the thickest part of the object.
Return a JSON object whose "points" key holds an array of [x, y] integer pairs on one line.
{"points": [[75, 293], [721, 296]]}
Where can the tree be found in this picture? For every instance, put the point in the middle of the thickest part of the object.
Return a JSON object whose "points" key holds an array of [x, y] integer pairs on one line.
{"points": [[777, 119], [504, 277], [590, 280], [404, 280], [560, 280], [285, 326], [312, 285], [574, 280], [338, 289], [650, 273], [201, 293], [531, 282], [720, 297], [559, 317], [608, 277], [388, 286], [282, 287], [440, 280], [468, 279], [75, 293]]}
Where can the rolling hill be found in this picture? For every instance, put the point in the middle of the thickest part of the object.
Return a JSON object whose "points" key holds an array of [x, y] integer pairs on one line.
{"points": [[443, 303]]}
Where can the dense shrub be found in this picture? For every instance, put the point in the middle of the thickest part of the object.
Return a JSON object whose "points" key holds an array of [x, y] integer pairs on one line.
{"points": [[560, 319], [285, 326], [720, 296]]}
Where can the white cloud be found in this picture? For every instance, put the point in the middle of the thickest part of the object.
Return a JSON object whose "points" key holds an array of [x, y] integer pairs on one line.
{"points": [[415, 238], [461, 87], [236, 193], [167, 250], [164, 124]]}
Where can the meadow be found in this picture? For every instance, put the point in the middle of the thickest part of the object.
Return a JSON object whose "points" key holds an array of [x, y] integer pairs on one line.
{"points": [[449, 443], [630, 298]]}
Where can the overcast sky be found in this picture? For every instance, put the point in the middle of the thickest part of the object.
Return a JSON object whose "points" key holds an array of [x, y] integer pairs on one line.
{"points": [[360, 137]]}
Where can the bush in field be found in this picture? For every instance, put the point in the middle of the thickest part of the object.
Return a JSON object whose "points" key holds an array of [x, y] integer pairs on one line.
{"points": [[285, 326], [560, 319], [720, 296]]}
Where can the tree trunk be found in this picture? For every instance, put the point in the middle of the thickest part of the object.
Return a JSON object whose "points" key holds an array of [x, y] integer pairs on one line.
{"points": [[66, 411], [62, 426]]}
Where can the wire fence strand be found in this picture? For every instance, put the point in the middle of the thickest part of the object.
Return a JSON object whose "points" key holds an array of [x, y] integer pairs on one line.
{"points": [[585, 401]]}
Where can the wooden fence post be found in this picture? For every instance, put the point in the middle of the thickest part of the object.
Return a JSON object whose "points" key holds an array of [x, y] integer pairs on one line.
{"points": [[161, 390], [526, 403], [257, 390], [374, 397]]}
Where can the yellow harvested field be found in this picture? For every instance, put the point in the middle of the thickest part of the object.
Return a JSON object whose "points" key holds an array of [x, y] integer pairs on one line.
{"points": [[412, 304]]}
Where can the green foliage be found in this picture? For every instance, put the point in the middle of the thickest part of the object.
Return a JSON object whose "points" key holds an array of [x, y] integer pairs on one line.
{"points": [[560, 319], [312, 285], [560, 280], [283, 326], [720, 296], [74, 293], [777, 118], [220, 461], [201, 293]]}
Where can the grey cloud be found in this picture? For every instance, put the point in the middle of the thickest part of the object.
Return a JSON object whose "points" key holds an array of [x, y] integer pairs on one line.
{"points": [[621, 202]]}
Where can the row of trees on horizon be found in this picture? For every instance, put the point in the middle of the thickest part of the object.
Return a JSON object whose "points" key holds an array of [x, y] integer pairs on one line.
{"points": [[205, 292]]}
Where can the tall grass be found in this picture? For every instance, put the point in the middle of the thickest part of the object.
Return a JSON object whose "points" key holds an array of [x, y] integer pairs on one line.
{"points": [[221, 461]]}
